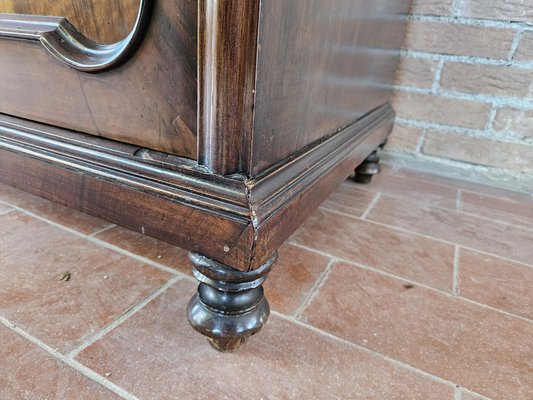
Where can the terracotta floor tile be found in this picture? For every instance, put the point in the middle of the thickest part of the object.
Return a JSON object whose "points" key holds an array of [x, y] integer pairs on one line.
{"points": [[481, 234], [496, 282], [477, 348], [27, 372], [350, 199], [145, 246], [411, 256], [163, 358], [519, 213], [54, 212], [293, 278], [102, 285], [421, 191], [470, 396]]}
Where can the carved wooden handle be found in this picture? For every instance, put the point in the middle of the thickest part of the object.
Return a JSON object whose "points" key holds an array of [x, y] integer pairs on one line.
{"points": [[69, 46]]}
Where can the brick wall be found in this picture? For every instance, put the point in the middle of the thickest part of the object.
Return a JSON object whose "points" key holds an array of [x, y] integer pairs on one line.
{"points": [[464, 91]]}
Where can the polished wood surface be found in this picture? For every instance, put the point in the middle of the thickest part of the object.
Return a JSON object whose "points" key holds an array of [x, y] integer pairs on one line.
{"points": [[149, 101], [226, 82], [63, 40], [103, 21], [320, 67]]}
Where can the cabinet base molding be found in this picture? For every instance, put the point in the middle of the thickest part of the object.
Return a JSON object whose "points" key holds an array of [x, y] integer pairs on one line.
{"points": [[244, 221]]}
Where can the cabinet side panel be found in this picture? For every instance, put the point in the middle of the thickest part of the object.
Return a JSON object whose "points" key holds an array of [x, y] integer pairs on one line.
{"points": [[321, 66]]}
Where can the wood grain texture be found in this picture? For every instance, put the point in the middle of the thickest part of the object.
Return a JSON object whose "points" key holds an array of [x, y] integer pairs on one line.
{"points": [[321, 66], [227, 58], [103, 21], [149, 101], [64, 41]]}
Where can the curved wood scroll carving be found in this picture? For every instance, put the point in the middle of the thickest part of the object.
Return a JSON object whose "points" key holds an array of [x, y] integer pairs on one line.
{"points": [[63, 41]]}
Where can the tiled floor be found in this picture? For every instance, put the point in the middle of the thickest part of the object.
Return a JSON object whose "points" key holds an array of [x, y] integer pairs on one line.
{"points": [[413, 287]]}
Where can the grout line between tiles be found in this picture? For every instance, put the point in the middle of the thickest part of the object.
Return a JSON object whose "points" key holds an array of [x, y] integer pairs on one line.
{"points": [[89, 340], [400, 229], [408, 280], [459, 200], [458, 394], [372, 269], [318, 284], [6, 211], [516, 41], [110, 226], [507, 313], [490, 120], [316, 251], [421, 141], [455, 289], [104, 244], [527, 196], [138, 257], [435, 87], [511, 224], [371, 205], [77, 366], [376, 354], [454, 12]]}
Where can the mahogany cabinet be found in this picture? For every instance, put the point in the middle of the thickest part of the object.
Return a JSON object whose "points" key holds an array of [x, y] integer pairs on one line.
{"points": [[215, 125]]}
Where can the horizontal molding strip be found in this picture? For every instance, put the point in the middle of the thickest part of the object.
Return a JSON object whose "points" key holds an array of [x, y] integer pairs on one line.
{"points": [[61, 39], [175, 199], [116, 162], [182, 180]]}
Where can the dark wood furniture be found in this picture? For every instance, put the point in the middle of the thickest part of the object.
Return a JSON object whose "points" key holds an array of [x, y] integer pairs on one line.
{"points": [[215, 125]]}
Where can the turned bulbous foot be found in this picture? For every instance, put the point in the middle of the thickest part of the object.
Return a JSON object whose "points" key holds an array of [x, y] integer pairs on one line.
{"points": [[368, 168], [363, 178], [226, 345], [229, 305]]}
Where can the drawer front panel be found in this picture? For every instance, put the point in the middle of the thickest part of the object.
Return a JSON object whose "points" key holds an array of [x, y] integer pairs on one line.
{"points": [[148, 100]]}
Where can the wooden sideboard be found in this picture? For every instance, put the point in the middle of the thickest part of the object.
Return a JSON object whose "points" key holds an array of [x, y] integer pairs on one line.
{"points": [[215, 125]]}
